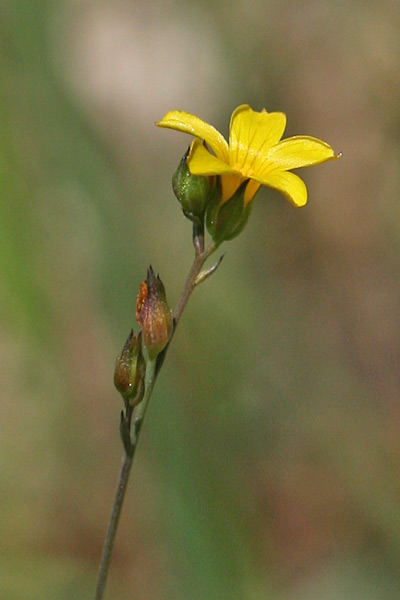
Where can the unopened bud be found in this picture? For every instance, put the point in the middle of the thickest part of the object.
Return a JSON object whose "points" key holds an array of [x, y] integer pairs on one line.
{"points": [[225, 220], [153, 314], [130, 369], [192, 191]]}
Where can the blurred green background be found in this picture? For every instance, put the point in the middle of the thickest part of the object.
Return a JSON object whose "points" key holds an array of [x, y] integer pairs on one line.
{"points": [[269, 463]]}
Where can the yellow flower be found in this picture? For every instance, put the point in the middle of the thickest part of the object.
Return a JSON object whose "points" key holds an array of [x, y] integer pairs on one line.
{"points": [[255, 152]]}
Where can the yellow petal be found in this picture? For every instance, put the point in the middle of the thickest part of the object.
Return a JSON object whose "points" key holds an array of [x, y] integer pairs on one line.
{"points": [[183, 121], [298, 151], [230, 183], [201, 162], [288, 184], [251, 190], [251, 136]]}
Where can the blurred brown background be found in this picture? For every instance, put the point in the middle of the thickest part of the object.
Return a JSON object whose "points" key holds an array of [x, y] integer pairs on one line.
{"points": [[269, 462]]}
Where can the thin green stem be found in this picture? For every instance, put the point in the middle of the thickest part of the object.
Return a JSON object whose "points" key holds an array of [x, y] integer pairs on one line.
{"points": [[113, 525], [190, 284], [137, 417], [140, 411]]}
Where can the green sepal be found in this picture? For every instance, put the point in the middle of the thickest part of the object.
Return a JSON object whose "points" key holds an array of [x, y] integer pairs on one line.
{"points": [[192, 191], [225, 221]]}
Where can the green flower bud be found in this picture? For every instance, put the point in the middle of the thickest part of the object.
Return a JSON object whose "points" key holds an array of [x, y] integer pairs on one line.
{"points": [[153, 314], [226, 220], [192, 191], [130, 369]]}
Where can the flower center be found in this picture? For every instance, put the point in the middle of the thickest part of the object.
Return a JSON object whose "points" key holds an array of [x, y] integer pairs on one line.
{"points": [[244, 170]]}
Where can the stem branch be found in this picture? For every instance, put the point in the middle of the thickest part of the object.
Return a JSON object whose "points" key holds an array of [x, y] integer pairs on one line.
{"points": [[201, 256]]}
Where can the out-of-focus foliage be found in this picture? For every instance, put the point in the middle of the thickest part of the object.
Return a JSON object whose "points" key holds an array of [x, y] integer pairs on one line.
{"points": [[269, 462]]}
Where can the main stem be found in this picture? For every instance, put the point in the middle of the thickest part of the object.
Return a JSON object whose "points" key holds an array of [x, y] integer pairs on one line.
{"points": [[123, 479], [201, 256]]}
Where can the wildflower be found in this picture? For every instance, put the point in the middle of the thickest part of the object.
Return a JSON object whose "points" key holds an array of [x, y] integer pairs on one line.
{"points": [[255, 153]]}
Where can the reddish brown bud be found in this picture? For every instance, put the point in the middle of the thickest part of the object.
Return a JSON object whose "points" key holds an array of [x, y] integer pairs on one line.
{"points": [[130, 369], [153, 314]]}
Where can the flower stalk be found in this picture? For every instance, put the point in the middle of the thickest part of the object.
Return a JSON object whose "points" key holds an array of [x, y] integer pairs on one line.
{"points": [[136, 415], [132, 420]]}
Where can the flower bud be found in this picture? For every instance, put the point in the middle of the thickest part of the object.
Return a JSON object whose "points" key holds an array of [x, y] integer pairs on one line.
{"points": [[130, 369], [153, 314], [226, 220], [192, 191]]}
